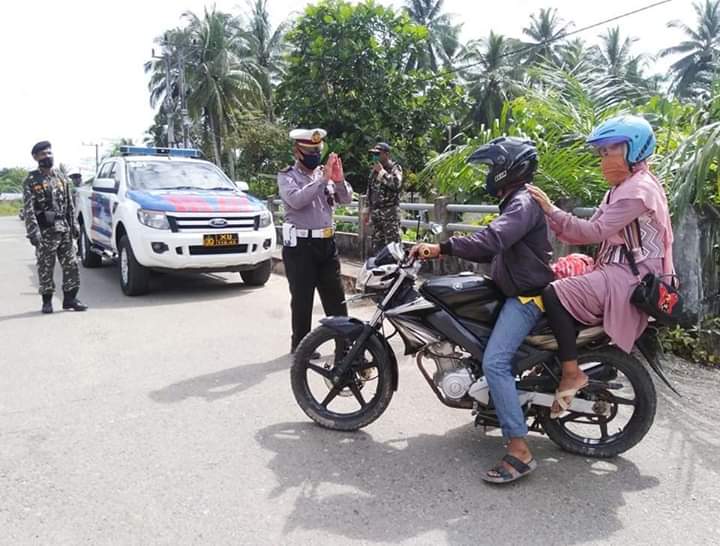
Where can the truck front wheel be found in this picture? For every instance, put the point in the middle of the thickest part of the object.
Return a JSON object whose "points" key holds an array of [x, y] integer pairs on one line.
{"points": [[87, 256], [134, 278], [258, 276]]}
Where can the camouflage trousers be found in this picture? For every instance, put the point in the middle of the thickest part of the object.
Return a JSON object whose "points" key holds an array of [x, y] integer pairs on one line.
{"points": [[62, 245], [386, 227]]}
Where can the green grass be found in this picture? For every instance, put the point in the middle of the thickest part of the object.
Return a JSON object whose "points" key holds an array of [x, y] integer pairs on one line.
{"points": [[10, 208]]}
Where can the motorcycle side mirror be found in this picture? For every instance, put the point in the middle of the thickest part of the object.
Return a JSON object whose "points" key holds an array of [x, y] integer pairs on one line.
{"points": [[436, 229], [397, 251]]}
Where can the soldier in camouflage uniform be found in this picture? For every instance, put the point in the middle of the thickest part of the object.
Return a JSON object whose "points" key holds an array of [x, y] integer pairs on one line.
{"points": [[51, 227], [383, 197]]}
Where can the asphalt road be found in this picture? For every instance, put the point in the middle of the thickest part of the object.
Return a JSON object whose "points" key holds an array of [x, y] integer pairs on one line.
{"points": [[168, 419]]}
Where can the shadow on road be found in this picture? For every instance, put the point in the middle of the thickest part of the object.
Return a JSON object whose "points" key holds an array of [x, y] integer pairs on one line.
{"points": [[352, 486], [100, 289], [220, 384], [690, 421]]}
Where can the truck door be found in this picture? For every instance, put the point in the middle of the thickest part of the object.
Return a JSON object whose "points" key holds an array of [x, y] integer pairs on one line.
{"points": [[102, 202]]}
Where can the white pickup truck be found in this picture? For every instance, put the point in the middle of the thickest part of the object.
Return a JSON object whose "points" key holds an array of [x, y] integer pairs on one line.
{"points": [[166, 209]]}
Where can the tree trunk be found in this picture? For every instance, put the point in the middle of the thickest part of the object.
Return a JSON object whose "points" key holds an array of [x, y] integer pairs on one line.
{"points": [[231, 163], [214, 137]]}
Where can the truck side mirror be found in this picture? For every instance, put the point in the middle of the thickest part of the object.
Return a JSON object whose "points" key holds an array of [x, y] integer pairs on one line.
{"points": [[105, 185]]}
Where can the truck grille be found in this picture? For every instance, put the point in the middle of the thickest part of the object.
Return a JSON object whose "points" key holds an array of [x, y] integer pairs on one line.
{"points": [[208, 222], [206, 250]]}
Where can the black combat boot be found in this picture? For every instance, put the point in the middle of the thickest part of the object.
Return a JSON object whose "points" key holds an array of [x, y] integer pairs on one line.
{"points": [[70, 301], [47, 303]]}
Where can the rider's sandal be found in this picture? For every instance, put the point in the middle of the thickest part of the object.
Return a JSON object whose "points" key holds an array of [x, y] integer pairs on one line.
{"points": [[565, 398], [503, 475]]}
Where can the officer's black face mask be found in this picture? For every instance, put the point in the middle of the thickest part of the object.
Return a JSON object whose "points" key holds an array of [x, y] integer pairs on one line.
{"points": [[310, 160], [46, 162]]}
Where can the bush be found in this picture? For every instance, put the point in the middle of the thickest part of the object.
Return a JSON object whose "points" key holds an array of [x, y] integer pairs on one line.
{"points": [[10, 208], [696, 344], [263, 187]]}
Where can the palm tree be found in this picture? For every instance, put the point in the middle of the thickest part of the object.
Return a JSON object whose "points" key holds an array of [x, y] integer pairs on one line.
{"points": [[614, 52], [221, 85], [700, 51], [494, 77], [546, 29], [574, 54], [264, 47], [443, 36], [166, 75]]}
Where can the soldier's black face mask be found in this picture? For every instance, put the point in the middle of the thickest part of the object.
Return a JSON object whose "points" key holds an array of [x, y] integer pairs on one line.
{"points": [[310, 160], [46, 162]]}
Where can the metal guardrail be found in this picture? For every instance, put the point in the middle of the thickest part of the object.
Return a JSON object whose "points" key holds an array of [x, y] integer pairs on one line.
{"points": [[11, 196], [450, 227]]}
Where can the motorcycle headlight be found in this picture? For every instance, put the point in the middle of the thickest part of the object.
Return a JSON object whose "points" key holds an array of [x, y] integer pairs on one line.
{"points": [[265, 219], [153, 219]]}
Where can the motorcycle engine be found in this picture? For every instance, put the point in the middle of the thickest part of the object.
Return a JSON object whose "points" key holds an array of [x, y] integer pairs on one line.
{"points": [[452, 377]]}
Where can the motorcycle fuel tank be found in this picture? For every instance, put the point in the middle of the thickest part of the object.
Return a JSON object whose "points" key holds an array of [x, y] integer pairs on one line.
{"points": [[470, 296]]}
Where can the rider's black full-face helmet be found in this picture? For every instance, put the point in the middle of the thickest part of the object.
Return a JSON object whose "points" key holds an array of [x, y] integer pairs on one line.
{"points": [[512, 162]]}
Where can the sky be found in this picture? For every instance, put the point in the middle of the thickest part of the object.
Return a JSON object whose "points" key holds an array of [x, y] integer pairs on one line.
{"points": [[73, 71]]}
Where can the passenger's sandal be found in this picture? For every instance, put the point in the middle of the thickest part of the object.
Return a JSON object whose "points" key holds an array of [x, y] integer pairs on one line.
{"points": [[565, 398]]}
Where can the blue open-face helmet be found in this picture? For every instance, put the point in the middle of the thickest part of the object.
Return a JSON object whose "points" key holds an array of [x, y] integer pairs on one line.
{"points": [[633, 130]]}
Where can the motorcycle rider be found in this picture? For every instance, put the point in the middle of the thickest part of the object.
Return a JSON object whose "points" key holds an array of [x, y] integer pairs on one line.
{"points": [[517, 246]]}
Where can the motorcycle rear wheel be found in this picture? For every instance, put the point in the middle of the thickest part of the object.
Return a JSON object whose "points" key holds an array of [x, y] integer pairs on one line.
{"points": [[571, 431], [308, 375]]}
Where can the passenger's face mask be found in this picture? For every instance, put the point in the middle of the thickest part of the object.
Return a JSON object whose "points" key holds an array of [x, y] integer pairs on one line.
{"points": [[614, 169], [46, 162], [310, 160]]}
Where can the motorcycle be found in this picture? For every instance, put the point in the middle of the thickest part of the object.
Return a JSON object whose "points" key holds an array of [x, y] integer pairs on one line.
{"points": [[345, 372]]}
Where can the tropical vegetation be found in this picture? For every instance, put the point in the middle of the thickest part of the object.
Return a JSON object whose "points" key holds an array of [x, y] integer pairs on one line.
{"points": [[232, 83]]}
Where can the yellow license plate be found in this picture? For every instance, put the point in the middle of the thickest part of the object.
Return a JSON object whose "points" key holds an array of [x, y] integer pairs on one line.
{"points": [[220, 239]]}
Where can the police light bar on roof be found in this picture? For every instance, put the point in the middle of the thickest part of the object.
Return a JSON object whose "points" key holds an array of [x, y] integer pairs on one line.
{"points": [[172, 152]]}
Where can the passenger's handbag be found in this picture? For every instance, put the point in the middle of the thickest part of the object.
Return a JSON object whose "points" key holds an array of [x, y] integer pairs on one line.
{"points": [[653, 295]]}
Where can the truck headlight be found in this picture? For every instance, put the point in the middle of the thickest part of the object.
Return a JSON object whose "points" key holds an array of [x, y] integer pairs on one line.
{"points": [[153, 219], [265, 219]]}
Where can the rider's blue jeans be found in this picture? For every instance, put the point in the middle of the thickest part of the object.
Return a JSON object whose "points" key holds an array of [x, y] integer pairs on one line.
{"points": [[514, 323]]}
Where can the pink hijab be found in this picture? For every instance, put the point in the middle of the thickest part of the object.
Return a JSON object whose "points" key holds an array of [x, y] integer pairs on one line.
{"points": [[645, 186]]}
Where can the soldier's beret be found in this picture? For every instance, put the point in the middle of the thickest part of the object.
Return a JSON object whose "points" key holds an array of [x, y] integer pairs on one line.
{"points": [[381, 147], [40, 146], [308, 138]]}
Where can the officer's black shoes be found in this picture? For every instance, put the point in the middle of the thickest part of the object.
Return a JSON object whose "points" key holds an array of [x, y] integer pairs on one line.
{"points": [[47, 303], [70, 301]]}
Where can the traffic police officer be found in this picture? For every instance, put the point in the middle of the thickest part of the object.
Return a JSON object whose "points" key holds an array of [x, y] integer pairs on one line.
{"points": [[51, 227], [309, 192]]}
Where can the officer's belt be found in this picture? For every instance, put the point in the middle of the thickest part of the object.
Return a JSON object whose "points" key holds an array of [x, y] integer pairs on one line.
{"points": [[325, 233]]}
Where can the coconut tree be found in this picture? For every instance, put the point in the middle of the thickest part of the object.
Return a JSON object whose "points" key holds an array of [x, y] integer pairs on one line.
{"points": [[545, 30], [699, 51], [221, 85], [493, 77], [264, 47], [575, 53], [167, 71], [615, 52], [443, 35]]}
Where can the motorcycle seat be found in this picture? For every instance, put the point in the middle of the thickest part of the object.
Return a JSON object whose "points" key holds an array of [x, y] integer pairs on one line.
{"points": [[542, 337]]}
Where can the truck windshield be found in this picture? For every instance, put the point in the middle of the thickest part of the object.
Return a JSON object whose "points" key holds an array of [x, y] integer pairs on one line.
{"points": [[170, 175]]}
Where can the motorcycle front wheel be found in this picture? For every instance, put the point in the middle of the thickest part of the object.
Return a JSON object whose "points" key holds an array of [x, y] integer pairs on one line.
{"points": [[629, 407], [359, 398]]}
